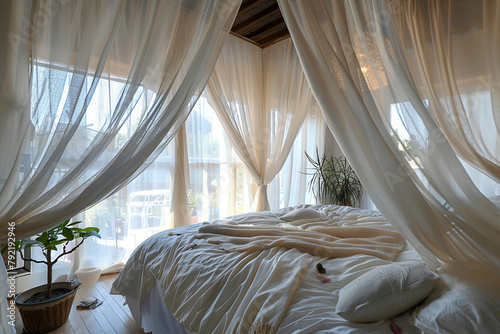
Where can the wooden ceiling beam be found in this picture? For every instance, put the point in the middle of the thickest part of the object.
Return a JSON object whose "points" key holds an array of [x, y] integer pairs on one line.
{"points": [[268, 30], [274, 38], [257, 19], [261, 22], [249, 5]]}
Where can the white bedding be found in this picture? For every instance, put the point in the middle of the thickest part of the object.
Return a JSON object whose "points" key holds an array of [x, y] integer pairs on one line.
{"points": [[274, 287]]}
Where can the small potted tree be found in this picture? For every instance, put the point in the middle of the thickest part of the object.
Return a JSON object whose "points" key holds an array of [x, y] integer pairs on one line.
{"points": [[47, 307]]}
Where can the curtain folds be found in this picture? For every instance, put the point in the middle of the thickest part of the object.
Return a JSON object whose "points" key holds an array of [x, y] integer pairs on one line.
{"points": [[261, 98], [458, 81], [83, 53], [219, 185], [179, 199], [91, 93], [290, 186], [355, 62]]}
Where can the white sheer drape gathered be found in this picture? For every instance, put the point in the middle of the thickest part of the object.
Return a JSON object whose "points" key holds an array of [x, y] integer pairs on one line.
{"points": [[219, 184], [179, 201], [290, 186], [71, 156], [261, 98], [354, 61]]}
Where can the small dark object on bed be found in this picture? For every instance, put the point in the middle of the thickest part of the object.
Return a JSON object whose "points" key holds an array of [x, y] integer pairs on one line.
{"points": [[171, 233], [321, 269], [395, 329]]}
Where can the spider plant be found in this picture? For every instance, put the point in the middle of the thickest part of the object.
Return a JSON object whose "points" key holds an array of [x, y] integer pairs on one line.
{"points": [[334, 181]]}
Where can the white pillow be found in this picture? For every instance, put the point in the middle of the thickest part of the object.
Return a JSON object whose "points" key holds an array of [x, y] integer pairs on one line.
{"points": [[459, 306], [302, 213], [385, 291], [457, 312]]}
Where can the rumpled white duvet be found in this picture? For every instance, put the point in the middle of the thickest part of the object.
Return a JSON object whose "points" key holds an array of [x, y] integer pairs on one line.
{"points": [[210, 289]]}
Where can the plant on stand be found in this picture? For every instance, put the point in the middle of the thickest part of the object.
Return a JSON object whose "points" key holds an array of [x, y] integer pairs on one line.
{"points": [[47, 307], [334, 181]]}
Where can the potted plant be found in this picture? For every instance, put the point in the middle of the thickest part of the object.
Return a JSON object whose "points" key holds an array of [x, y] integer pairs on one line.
{"points": [[334, 181], [193, 198], [47, 307]]}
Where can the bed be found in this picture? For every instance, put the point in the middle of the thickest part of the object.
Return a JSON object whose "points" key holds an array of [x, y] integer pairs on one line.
{"points": [[246, 274]]}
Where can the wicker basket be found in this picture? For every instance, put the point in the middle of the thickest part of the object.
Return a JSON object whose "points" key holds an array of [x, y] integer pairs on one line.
{"points": [[45, 316]]}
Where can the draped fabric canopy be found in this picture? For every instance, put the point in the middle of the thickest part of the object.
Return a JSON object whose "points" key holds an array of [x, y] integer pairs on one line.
{"points": [[146, 61], [159, 55], [432, 64], [453, 60], [261, 98], [359, 68]]}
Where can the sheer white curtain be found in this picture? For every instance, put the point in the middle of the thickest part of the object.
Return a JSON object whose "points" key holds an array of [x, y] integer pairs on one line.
{"points": [[61, 154], [196, 178], [261, 98], [138, 210], [219, 184], [179, 195], [453, 55], [353, 58], [106, 77], [290, 186]]}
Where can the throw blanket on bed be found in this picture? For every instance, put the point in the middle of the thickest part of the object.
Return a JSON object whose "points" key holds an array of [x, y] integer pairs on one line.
{"points": [[322, 241], [210, 290]]}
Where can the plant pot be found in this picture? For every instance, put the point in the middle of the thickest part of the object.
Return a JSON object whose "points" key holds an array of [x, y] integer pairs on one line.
{"points": [[45, 316]]}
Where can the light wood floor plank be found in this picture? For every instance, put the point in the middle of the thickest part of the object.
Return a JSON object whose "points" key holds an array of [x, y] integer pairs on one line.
{"points": [[90, 321], [109, 314], [107, 283], [117, 310], [111, 317], [99, 315], [64, 329], [76, 322]]}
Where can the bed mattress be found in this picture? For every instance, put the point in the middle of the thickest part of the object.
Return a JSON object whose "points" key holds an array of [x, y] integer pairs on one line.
{"points": [[173, 274]]}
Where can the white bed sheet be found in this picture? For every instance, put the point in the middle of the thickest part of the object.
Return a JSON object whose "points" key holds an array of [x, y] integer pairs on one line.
{"points": [[153, 315], [312, 308]]}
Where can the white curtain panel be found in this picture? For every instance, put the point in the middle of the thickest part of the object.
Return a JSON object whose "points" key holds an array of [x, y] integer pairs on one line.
{"points": [[196, 178], [353, 57], [219, 183], [143, 62], [453, 55], [261, 98], [179, 199], [290, 186]]}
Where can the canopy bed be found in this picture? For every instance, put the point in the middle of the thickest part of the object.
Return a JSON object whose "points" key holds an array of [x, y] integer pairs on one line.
{"points": [[431, 64], [260, 273]]}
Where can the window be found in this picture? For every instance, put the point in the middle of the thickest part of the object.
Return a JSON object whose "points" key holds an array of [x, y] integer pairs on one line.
{"points": [[219, 183]]}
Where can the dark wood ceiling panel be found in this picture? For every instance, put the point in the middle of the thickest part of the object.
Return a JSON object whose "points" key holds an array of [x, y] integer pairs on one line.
{"points": [[260, 21], [270, 14]]}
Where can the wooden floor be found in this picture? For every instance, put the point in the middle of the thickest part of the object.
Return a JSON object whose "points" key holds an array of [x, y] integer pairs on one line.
{"points": [[110, 317]]}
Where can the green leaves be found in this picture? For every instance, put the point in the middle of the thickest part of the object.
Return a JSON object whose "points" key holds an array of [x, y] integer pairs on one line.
{"points": [[68, 233], [43, 238], [58, 235], [48, 241], [334, 181], [29, 243], [91, 234]]}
